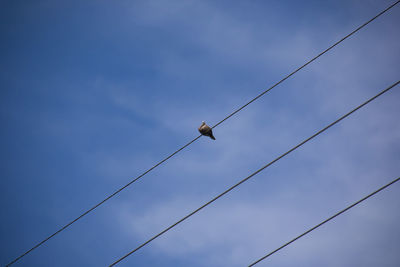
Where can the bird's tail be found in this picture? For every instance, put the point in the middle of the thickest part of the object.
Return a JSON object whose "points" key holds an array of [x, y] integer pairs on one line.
{"points": [[212, 136]]}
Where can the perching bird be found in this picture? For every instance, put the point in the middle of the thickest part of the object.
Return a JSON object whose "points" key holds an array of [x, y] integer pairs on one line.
{"points": [[206, 130]]}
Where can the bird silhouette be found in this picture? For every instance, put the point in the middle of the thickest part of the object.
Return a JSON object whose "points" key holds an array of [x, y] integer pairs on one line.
{"points": [[206, 130]]}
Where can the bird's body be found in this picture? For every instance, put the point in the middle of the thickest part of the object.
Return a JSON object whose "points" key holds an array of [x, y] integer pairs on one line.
{"points": [[206, 130]]}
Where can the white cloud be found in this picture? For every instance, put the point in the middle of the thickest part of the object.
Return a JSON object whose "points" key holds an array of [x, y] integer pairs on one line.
{"points": [[338, 167]]}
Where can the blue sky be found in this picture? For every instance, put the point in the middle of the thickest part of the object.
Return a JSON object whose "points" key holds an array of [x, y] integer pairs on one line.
{"points": [[93, 93]]}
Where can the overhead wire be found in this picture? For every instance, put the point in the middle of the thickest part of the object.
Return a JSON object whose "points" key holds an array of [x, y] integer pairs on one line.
{"points": [[254, 173], [195, 139], [327, 220], [100, 203], [308, 62]]}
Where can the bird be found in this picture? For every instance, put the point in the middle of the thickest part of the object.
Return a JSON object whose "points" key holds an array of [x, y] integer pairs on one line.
{"points": [[206, 130]]}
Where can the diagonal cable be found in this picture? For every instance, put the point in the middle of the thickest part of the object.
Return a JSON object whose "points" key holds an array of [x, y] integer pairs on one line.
{"points": [[311, 60], [256, 172], [183, 147], [327, 220], [100, 203]]}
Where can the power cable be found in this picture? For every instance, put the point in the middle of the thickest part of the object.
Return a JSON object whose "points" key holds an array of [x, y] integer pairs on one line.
{"points": [[326, 50], [256, 172], [100, 203], [183, 147], [327, 220]]}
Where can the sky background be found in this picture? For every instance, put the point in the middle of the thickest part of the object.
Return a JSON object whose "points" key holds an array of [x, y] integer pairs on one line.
{"points": [[93, 93]]}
